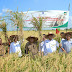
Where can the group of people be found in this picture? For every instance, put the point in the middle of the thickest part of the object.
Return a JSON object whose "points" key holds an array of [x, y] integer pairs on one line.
{"points": [[50, 45], [46, 46]]}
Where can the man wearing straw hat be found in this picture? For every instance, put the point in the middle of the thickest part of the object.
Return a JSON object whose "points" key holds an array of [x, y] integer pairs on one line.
{"points": [[67, 43], [15, 47], [50, 45], [31, 45]]}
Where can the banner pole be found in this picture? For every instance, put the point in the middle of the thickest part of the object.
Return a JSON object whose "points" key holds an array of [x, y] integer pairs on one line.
{"points": [[68, 10]]}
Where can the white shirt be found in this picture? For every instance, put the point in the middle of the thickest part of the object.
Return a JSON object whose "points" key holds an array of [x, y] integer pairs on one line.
{"points": [[15, 48], [49, 46]]}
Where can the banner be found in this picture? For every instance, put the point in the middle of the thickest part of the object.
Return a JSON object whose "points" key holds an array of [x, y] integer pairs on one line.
{"points": [[53, 18]]}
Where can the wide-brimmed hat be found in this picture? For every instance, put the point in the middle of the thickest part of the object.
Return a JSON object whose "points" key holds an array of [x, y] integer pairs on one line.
{"points": [[50, 33], [28, 38], [11, 38], [70, 33]]}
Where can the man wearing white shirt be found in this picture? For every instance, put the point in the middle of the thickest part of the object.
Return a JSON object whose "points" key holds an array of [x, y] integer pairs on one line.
{"points": [[50, 45], [15, 47]]}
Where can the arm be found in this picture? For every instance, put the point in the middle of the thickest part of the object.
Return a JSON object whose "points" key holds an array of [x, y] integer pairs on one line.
{"points": [[10, 51], [61, 46], [26, 48], [12, 48], [41, 48], [57, 44]]}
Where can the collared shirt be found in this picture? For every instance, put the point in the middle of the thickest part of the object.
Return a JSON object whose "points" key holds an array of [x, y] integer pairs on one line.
{"points": [[62, 40], [49, 46], [67, 45], [15, 48]]}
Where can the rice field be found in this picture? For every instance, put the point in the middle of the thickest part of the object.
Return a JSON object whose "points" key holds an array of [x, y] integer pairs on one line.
{"points": [[29, 33], [54, 62]]}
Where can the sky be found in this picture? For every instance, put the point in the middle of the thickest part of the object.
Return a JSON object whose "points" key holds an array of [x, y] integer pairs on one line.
{"points": [[36, 5]]}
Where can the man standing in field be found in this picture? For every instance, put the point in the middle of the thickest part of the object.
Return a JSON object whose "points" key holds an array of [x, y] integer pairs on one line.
{"points": [[15, 47], [67, 43], [50, 45], [32, 46]]}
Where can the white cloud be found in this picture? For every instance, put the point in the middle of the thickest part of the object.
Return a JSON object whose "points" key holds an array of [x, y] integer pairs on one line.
{"points": [[6, 10], [0, 14]]}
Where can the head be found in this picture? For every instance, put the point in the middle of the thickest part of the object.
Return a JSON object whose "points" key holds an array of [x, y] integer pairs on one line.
{"points": [[31, 40], [44, 37], [68, 36], [50, 36], [15, 39], [0, 41], [62, 34]]}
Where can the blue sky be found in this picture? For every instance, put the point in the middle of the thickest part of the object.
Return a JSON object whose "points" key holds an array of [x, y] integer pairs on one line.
{"points": [[24, 5], [35, 5]]}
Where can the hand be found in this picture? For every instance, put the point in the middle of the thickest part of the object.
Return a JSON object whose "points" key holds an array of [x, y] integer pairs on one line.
{"points": [[64, 50], [60, 45]]}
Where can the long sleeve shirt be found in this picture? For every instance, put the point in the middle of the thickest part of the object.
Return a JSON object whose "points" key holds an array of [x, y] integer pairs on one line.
{"points": [[49, 46]]}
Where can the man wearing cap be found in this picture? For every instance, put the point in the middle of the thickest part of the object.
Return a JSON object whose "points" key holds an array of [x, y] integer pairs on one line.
{"points": [[50, 45], [32, 45], [67, 43]]}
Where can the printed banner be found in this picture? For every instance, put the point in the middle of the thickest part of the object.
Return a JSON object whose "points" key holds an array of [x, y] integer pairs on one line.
{"points": [[53, 18]]}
